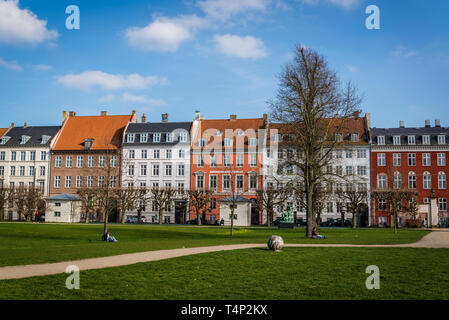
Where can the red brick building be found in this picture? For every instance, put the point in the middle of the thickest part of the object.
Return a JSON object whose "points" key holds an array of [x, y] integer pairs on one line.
{"points": [[410, 158], [227, 159]]}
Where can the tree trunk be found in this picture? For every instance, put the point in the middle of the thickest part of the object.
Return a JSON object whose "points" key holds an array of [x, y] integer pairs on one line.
{"points": [[139, 215], [232, 220], [309, 208], [354, 220], [342, 218], [106, 216], [161, 213], [198, 216], [269, 217]]}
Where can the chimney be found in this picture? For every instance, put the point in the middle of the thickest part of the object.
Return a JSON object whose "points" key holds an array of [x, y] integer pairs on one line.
{"points": [[164, 117], [25, 125], [368, 120], [72, 113], [427, 123], [12, 125], [233, 117], [401, 124], [356, 114], [437, 123], [104, 113], [144, 118], [197, 115], [265, 117], [64, 115]]}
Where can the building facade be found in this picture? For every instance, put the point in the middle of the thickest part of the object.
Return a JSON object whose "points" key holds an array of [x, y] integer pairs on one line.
{"points": [[25, 158], [157, 154], [413, 159], [227, 159]]}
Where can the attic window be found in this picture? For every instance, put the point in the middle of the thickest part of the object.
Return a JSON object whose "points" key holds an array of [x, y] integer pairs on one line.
{"points": [[5, 139], [339, 137], [88, 143], [24, 139], [355, 137], [45, 139], [240, 133]]}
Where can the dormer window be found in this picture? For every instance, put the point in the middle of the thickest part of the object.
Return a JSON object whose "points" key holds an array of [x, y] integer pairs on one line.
{"points": [[355, 137], [130, 138], [227, 142], [143, 137], [5, 139], [411, 139], [240, 133], [182, 137], [88, 143], [426, 139], [219, 133], [45, 139], [441, 139], [169, 137], [156, 137], [24, 139], [339, 137], [381, 140], [202, 142], [396, 140]]}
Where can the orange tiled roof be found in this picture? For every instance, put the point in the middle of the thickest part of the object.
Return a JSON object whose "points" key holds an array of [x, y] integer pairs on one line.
{"points": [[2, 131], [107, 131]]}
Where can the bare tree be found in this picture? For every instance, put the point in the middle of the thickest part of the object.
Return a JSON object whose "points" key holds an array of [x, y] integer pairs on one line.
{"points": [[313, 103], [4, 196], [33, 197], [18, 196], [270, 197], [87, 198], [162, 198], [126, 200], [199, 200], [354, 199]]}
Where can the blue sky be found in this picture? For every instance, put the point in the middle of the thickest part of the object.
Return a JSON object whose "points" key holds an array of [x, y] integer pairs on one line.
{"points": [[218, 56]]}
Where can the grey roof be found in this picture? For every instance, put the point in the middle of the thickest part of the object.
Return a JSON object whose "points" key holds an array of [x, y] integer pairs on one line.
{"points": [[433, 132], [64, 196], [155, 127], [35, 134], [237, 199]]}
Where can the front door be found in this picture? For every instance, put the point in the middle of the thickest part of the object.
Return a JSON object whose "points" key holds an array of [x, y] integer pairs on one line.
{"points": [[180, 211], [254, 213]]}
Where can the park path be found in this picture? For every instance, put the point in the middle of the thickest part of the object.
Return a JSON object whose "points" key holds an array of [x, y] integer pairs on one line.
{"points": [[435, 239]]}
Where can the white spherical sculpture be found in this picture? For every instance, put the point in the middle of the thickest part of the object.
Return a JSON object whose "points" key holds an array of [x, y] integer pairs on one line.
{"points": [[275, 243]]}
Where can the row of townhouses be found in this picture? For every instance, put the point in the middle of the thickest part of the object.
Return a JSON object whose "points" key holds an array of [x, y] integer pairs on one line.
{"points": [[232, 157]]}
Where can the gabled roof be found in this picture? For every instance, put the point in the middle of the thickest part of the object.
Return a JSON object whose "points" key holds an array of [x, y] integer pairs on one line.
{"points": [[106, 131], [2, 131], [34, 134], [156, 127]]}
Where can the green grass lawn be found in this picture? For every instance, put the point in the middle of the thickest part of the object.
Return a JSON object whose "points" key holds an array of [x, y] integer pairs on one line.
{"points": [[294, 273], [22, 243]]}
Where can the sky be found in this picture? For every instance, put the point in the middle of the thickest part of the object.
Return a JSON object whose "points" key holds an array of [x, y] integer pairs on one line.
{"points": [[220, 57]]}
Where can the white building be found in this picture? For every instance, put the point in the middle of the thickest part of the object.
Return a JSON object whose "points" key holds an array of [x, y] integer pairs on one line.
{"points": [[65, 208], [350, 159], [25, 159], [157, 154]]}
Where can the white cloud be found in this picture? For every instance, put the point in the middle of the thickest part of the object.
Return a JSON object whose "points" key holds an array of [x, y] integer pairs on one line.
{"points": [[164, 34], [346, 4], [403, 52], [142, 99], [22, 25], [41, 67], [107, 81], [224, 9], [352, 69], [242, 47], [11, 65]]}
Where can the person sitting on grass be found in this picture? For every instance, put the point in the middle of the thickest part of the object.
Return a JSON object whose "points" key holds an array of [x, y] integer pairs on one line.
{"points": [[315, 234], [108, 238]]}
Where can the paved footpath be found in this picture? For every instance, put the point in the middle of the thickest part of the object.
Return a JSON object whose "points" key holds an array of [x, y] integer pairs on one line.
{"points": [[435, 239]]}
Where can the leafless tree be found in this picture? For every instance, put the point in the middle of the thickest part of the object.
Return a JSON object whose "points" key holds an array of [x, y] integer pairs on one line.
{"points": [[162, 198], [314, 104], [33, 197], [199, 200], [354, 199], [4, 196], [125, 200], [87, 198], [270, 197]]}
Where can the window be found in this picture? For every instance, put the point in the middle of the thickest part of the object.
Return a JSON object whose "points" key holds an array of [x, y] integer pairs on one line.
{"points": [[42, 171], [381, 159], [131, 170], [182, 137], [2, 156], [79, 181], [213, 205], [226, 160], [381, 140], [101, 161], [253, 160], [252, 141], [168, 154], [226, 182], [240, 160], [202, 142], [349, 154], [213, 160], [155, 170], [239, 182], [411, 159], [397, 180], [441, 157], [32, 171], [396, 140], [68, 181], [442, 180], [361, 170], [355, 137], [169, 137], [58, 161], [349, 170], [441, 139], [156, 137], [181, 154], [280, 154], [382, 204], [213, 182], [90, 161], [57, 181], [90, 181], [396, 159], [362, 187], [112, 181], [13, 156], [425, 139], [442, 204], [80, 161], [43, 156], [181, 170], [253, 182], [200, 161], [101, 181], [57, 214], [228, 142], [339, 170], [412, 180], [143, 137], [426, 159], [156, 154], [130, 138], [23, 156], [381, 181], [361, 153], [22, 171], [68, 161], [168, 170], [12, 171], [2, 171], [339, 137], [32, 155], [143, 154], [200, 181], [113, 161], [411, 140], [143, 169]]}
